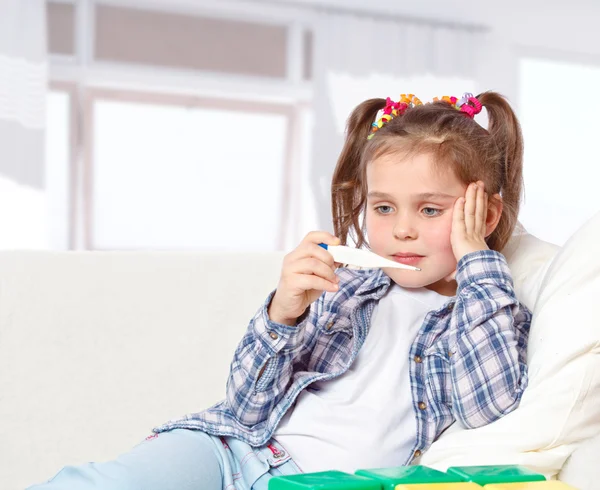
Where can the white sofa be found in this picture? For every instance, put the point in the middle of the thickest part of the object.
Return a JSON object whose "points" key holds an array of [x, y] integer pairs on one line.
{"points": [[97, 348]]}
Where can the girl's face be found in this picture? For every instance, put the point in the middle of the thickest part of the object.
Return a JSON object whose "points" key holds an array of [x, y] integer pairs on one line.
{"points": [[409, 219]]}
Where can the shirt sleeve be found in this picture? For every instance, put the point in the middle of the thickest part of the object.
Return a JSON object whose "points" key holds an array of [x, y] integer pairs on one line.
{"points": [[262, 367], [489, 329]]}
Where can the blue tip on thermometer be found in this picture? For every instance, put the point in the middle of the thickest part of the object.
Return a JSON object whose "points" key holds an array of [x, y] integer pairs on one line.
{"points": [[362, 258]]}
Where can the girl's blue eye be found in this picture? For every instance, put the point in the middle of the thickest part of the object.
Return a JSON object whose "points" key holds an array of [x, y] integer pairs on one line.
{"points": [[430, 212], [383, 209]]}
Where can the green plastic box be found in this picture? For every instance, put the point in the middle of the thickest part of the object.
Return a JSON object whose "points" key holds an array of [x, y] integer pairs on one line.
{"points": [[325, 480], [483, 475], [390, 477]]}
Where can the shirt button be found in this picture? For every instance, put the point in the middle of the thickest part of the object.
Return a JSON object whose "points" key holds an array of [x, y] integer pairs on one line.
{"points": [[422, 406], [418, 359], [450, 306], [330, 325], [417, 453], [273, 335]]}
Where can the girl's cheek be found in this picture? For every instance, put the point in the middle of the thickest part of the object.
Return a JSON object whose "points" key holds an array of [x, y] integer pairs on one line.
{"points": [[439, 235], [376, 231]]}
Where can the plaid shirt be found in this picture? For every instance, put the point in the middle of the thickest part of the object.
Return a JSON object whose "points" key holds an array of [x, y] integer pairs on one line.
{"points": [[467, 363]]}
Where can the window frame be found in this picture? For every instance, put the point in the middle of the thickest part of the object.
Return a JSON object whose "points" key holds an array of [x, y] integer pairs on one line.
{"points": [[87, 80]]}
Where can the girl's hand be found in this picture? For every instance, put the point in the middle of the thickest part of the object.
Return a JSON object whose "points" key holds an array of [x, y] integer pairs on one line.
{"points": [[469, 221], [307, 271]]}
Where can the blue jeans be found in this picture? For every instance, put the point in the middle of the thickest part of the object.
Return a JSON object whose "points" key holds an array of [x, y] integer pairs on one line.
{"points": [[181, 459]]}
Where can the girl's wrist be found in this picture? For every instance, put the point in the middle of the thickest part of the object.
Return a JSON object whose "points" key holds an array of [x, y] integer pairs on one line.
{"points": [[276, 316]]}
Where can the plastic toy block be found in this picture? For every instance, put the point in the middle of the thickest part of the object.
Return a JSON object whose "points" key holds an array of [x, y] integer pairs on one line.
{"points": [[325, 480], [530, 485], [390, 477], [484, 475], [465, 485]]}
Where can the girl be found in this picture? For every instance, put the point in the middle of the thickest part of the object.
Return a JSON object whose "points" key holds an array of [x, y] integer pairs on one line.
{"points": [[348, 369]]}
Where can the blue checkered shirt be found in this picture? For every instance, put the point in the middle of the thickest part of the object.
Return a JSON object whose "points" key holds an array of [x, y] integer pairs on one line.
{"points": [[467, 363]]}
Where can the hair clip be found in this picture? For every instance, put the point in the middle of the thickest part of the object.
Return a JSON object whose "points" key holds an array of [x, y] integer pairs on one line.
{"points": [[468, 104], [393, 109]]}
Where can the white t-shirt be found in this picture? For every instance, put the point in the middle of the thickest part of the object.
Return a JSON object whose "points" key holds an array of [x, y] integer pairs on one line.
{"points": [[364, 418]]}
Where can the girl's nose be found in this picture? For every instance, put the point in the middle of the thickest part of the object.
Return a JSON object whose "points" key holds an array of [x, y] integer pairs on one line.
{"points": [[404, 230]]}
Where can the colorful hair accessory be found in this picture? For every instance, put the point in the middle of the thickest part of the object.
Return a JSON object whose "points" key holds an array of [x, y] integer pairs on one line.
{"points": [[468, 104], [464, 106], [393, 109]]}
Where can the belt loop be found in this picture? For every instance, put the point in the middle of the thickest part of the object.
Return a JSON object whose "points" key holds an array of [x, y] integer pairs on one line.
{"points": [[276, 452]]}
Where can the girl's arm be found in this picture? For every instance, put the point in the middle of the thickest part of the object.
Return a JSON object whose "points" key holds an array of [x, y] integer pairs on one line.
{"points": [[488, 341], [262, 367]]}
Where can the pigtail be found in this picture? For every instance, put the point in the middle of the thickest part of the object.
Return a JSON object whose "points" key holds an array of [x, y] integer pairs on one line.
{"points": [[505, 130], [348, 187]]}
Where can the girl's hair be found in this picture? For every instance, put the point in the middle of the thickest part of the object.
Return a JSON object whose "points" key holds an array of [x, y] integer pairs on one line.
{"points": [[455, 141]]}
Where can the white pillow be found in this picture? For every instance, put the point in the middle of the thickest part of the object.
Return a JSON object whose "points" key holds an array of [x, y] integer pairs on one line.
{"points": [[529, 259], [561, 406]]}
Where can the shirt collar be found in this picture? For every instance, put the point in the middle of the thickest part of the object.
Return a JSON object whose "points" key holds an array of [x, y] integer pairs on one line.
{"points": [[377, 281]]}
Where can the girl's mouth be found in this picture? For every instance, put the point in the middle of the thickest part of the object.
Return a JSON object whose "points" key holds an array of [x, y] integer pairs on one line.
{"points": [[408, 259]]}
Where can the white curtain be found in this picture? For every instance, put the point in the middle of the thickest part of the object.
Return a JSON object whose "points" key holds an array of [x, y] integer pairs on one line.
{"points": [[23, 82], [356, 58]]}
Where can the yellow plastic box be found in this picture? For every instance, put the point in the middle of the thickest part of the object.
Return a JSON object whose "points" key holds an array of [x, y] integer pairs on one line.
{"points": [[439, 486], [530, 485]]}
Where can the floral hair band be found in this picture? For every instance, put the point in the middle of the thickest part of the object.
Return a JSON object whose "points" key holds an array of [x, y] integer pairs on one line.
{"points": [[468, 104]]}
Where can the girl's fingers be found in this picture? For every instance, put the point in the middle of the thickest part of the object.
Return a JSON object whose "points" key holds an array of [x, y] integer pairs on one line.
{"points": [[314, 250], [458, 216], [307, 282], [480, 210], [470, 204], [317, 237], [310, 265], [305, 250]]}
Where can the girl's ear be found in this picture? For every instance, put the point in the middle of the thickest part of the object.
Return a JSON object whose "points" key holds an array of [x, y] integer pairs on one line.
{"points": [[494, 213]]}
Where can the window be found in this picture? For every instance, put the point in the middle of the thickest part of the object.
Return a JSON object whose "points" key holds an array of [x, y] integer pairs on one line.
{"points": [[61, 28], [190, 42], [562, 159], [205, 176], [154, 96], [58, 167]]}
